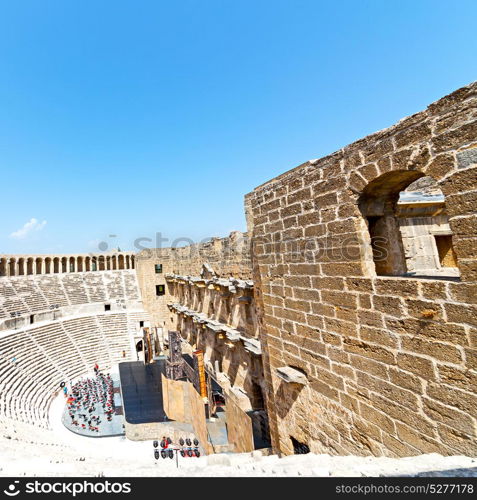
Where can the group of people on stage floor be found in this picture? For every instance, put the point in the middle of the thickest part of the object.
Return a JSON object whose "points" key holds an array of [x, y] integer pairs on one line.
{"points": [[89, 397]]}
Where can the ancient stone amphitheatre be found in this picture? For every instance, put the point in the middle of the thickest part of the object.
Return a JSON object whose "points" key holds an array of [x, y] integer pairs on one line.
{"points": [[336, 337]]}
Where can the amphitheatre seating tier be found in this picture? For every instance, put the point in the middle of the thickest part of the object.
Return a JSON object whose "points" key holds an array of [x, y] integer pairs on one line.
{"points": [[31, 294], [35, 360], [131, 286], [13, 430], [10, 301], [39, 293], [52, 289], [112, 325], [75, 288]]}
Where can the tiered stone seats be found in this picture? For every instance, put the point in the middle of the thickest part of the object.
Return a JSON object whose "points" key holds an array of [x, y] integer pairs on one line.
{"points": [[27, 379], [60, 348], [34, 361], [114, 284], [88, 338], [134, 318], [97, 290], [26, 288], [75, 288], [52, 288], [114, 327], [10, 300], [38, 293], [131, 285], [13, 431]]}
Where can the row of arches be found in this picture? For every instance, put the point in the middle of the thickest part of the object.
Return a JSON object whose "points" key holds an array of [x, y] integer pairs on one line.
{"points": [[23, 266]]}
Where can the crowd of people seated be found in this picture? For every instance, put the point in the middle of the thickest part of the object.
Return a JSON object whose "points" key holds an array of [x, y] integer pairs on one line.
{"points": [[88, 398]]}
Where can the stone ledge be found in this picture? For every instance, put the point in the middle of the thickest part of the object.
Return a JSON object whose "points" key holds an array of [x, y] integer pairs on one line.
{"points": [[291, 375]]}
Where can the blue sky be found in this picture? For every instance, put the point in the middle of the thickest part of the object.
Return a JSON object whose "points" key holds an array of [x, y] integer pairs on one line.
{"points": [[130, 118]]}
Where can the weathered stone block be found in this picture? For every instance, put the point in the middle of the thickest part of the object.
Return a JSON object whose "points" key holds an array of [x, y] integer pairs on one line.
{"points": [[342, 299], [466, 225], [461, 203], [396, 286], [415, 158], [369, 366], [368, 350], [459, 313], [331, 338], [294, 209], [439, 331], [343, 371], [414, 438], [378, 336], [467, 158], [388, 390], [324, 389], [423, 310], [359, 284], [440, 166], [400, 448], [371, 318], [417, 364], [377, 150], [458, 377], [450, 416], [458, 442], [391, 306], [376, 417], [471, 358], [345, 269], [296, 196], [297, 305], [433, 290], [453, 397], [455, 138], [405, 380], [437, 350], [341, 327], [413, 135]]}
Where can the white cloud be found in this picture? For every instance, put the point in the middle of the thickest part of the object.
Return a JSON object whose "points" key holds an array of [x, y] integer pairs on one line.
{"points": [[32, 225]]}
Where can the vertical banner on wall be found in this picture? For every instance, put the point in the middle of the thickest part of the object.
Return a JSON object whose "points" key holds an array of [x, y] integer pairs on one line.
{"points": [[199, 355]]}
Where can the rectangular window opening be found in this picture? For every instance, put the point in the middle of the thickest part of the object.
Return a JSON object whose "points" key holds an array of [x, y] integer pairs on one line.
{"points": [[447, 257]]}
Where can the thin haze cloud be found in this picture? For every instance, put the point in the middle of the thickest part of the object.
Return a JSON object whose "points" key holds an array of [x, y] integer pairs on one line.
{"points": [[32, 225]]}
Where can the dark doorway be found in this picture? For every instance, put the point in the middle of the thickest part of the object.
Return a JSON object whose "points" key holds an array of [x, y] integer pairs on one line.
{"points": [[299, 448]]}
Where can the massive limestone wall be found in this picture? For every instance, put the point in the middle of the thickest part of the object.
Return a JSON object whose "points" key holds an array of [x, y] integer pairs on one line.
{"points": [[380, 362], [227, 257]]}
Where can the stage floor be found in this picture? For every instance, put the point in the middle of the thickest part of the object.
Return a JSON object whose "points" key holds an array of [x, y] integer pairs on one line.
{"points": [[106, 429], [141, 389]]}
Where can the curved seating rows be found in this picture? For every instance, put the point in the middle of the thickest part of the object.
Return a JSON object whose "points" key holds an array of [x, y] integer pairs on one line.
{"points": [[34, 361], [37, 293]]}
